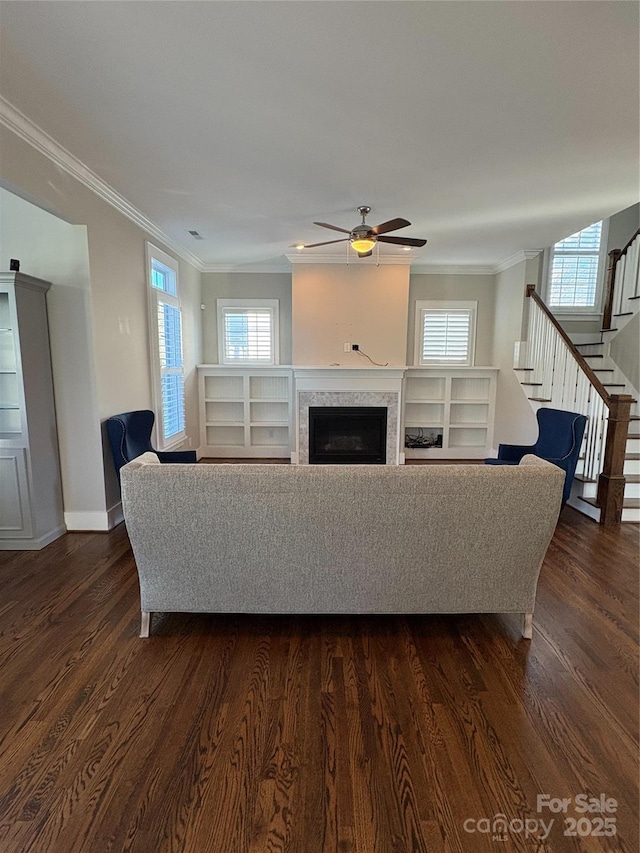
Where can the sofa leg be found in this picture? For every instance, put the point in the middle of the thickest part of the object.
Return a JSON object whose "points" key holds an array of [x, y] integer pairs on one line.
{"points": [[145, 623], [527, 629]]}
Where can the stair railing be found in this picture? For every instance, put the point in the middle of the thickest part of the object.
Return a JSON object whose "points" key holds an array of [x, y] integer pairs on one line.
{"points": [[622, 279], [562, 378]]}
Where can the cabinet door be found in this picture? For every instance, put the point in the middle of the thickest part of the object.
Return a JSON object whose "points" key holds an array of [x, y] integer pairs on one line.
{"points": [[15, 511]]}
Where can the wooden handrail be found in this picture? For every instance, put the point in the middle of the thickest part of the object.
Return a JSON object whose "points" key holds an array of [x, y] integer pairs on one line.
{"points": [[614, 257], [584, 366]]}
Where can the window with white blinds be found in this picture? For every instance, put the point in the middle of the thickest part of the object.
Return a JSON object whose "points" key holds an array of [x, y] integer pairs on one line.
{"points": [[248, 331], [166, 346], [445, 332], [574, 269]]}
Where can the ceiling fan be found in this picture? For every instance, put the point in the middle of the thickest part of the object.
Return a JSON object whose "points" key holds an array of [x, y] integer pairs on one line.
{"points": [[363, 238]]}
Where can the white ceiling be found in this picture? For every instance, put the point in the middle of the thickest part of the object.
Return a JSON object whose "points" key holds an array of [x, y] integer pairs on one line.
{"points": [[492, 126]]}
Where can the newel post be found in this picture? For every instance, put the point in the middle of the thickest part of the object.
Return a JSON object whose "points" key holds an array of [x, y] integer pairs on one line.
{"points": [[611, 480], [607, 313]]}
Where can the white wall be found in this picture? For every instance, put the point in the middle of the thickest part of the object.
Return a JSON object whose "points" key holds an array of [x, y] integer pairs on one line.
{"points": [[116, 325], [334, 304]]}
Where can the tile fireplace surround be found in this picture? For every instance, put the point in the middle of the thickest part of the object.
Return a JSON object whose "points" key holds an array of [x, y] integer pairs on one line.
{"points": [[346, 386]]}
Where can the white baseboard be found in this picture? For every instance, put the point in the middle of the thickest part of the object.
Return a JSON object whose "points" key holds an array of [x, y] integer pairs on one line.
{"points": [[115, 515], [95, 520], [32, 544]]}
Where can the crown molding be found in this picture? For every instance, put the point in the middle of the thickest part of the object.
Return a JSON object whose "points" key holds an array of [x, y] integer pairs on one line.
{"points": [[525, 255], [241, 268], [27, 130], [383, 260], [452, 269]]}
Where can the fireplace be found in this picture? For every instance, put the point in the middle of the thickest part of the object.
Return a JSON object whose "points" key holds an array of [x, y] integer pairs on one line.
{"points": [[342, 435]]}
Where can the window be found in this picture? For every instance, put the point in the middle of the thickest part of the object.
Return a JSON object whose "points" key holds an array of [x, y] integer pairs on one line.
{"points": [[165, 320], [248, 331], [445, 332], [575, 270]]}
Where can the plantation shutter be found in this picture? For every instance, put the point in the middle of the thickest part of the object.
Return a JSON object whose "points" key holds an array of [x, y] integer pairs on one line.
{"points": [[446, 335], [171, 368], [248, 335]]}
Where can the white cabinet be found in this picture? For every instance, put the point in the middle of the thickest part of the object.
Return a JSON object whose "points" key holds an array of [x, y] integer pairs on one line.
{"points": [[245, 411], [31, 513], [449, 412]]}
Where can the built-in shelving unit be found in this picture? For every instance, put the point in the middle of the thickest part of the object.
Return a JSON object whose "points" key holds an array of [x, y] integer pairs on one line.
{"points": [[245, 411], [449, 412], [249, 411]]}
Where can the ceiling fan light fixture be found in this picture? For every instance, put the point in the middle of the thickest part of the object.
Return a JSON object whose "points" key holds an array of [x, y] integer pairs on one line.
{"points": [[362, 245], [299, 246]]}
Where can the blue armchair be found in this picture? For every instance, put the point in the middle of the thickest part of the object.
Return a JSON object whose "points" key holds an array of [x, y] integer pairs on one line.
{"points": [[130, 436], [559, 441]]}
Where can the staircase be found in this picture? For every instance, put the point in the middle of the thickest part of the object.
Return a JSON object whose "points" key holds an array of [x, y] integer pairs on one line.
{"points": [[615, 382], [584, 378]]}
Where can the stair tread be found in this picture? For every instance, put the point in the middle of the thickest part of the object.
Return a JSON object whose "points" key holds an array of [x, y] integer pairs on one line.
{"points": [[592, 344], [536, 384], [634, 435], [632, 478], [603, 369], [631, 503], [632, 456], [584, 479], [633, 297], [625, 314], [591, 501], [609, 330], [539, 399], [613, 384]]}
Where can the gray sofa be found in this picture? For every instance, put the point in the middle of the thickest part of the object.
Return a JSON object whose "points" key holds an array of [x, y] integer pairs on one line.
{"points": [[339, 539]]}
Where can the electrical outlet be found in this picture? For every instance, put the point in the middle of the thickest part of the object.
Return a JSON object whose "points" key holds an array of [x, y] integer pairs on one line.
{"points": [[355, 347], [347, 347]]}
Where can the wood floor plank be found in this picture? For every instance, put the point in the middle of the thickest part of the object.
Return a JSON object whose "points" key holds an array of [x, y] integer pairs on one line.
{"points": [[327, 734]]}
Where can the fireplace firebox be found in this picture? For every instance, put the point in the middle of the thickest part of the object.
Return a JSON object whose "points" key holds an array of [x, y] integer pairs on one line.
{"points": [[341, 435]]}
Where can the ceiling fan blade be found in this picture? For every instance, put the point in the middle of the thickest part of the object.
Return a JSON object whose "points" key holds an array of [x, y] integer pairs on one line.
{"points": [[402, 241], [327, 243], [391, 225], [333, 227]]}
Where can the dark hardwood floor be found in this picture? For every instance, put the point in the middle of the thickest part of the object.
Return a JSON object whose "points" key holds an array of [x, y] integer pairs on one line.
{"points": [[242, 734]]}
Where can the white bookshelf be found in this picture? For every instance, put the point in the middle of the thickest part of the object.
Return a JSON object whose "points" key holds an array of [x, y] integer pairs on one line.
{"points": [[245, 411], [456, 404]]}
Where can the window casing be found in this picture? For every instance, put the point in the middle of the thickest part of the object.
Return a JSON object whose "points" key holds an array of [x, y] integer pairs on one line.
{"points": [[248, 331], [575, 271], [165, 328], [445, 332]]}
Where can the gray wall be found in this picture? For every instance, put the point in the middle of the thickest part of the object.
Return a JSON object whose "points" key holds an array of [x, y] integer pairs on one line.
{"points": [[625, 351], [622, 227], [480, 288], [515, 421], [244, 286], [54, 250], [116, 323]]}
